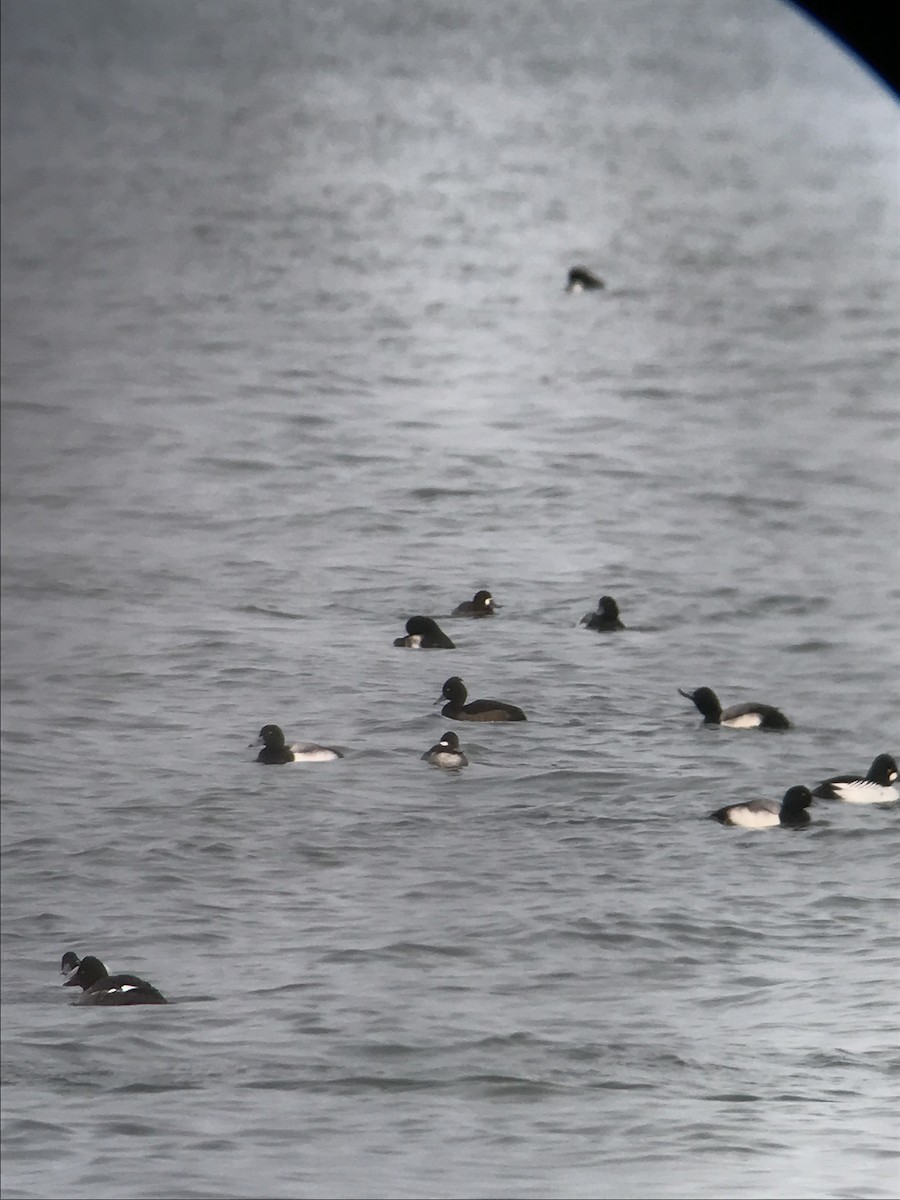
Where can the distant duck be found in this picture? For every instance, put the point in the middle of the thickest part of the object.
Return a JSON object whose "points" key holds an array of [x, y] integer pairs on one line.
{"points": [[876, 787], [99, 987], [422, 633], [446, 753], [763, 814], [606, 618], [739, 716], [583, 280], [481, 605], [454, 691], [70, 961], [275, 752]]}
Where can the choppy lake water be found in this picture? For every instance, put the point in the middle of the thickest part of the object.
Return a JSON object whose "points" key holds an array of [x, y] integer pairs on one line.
{"points": [[287, 359]]}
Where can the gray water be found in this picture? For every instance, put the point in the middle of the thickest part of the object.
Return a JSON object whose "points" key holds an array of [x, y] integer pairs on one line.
{"points": [[287, 359]]}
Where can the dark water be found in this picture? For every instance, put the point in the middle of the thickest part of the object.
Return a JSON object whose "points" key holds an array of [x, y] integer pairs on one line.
{"points": [[287, 359]]}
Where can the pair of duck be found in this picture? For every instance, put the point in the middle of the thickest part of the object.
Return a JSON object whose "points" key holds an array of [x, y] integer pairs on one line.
{"points": [[99, 987], [446, 752], [424, 633], [876, 787]]}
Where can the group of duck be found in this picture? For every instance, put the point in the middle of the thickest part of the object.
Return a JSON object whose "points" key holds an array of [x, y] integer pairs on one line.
{"points": [[877, 786]]}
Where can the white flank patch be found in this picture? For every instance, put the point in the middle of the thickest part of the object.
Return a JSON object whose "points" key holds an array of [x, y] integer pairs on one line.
{"points": [[753, 818], [313, 754], [864, 792], [123, 987], [744, 721]]}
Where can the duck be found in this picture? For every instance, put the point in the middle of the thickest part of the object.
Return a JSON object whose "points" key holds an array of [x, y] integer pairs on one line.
{"points": [[99, 987], [739, 716], [582, 280], [454, 691], [447, 753], [275, 752], [875, 787], [606, 618], [481, 605], [70, 961], [423, 633], [764, 814]]}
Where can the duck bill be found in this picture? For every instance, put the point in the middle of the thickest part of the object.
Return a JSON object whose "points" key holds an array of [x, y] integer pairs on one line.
{"points": [[687, 695], [70, 980]]}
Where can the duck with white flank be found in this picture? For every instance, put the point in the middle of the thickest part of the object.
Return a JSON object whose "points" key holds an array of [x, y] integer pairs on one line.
{"points": [[275, 752], [739, 716], [764, 814], [877, 786]]}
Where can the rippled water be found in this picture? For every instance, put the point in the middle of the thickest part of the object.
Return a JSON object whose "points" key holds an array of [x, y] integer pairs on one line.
{"points": [[287, 359]]}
